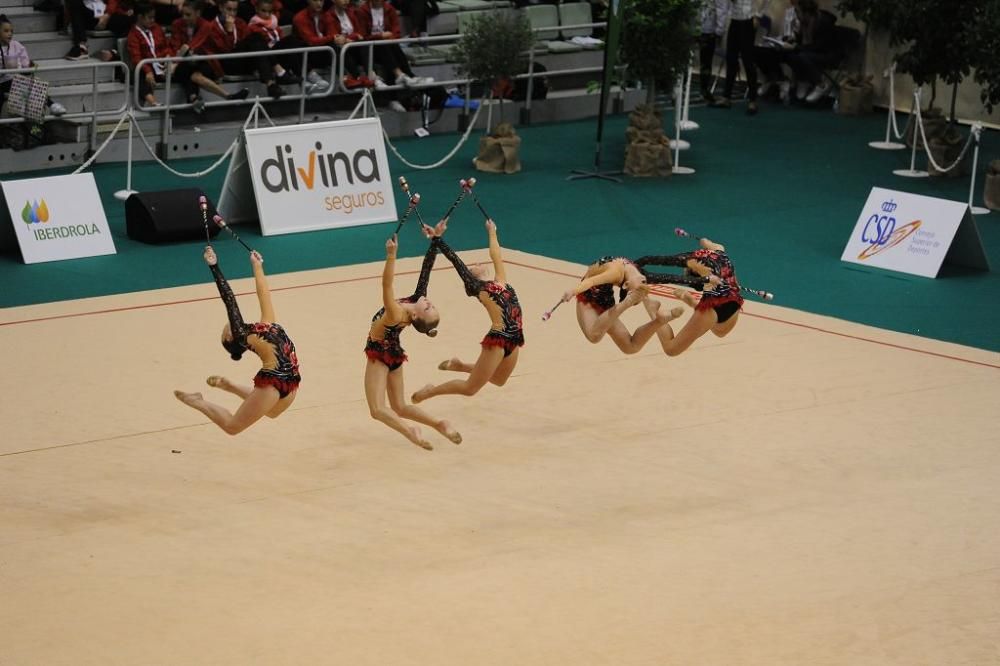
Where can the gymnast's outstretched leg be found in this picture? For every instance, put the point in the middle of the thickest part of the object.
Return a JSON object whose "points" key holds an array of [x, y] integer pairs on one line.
{"points": [[261, 401], [397, 401], [377, 376]]}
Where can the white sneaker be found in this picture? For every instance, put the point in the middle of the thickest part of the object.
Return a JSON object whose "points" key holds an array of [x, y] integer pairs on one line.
{"points": [[397, 107], [380, 84], [765, 88], [818, 93], [57, 109], [317, 81], [785, 91], [802, 89]]}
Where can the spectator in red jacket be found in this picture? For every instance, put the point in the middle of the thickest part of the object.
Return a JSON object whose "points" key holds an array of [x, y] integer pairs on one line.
{"points": [[348, 29], [266, 36], [380, 21], [202, 74], [314, 27], [227, 33]]}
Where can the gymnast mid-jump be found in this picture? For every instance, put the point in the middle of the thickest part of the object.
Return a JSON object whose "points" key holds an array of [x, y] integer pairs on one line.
{"points": [[501, 346], [276, 384], [711, 273], [598, 314], [384, 369]]}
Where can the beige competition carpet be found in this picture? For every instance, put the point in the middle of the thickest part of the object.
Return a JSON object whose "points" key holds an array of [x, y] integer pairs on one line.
{"points": [[806, 491]]}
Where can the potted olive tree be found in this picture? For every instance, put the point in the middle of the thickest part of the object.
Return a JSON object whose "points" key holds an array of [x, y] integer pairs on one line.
{"points": [[492, 50], [657, 38]]}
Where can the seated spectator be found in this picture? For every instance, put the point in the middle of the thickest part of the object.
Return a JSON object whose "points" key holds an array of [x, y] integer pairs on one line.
{"points": [[147, 40], [283, 10], [227, 33], [85, 15], [314, 27], [348, 29], [265, 36], [197, 74], [13, 55], [380, 21], [773, 53], [820, 49]]}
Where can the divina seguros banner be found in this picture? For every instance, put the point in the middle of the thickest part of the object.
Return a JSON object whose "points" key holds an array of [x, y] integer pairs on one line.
{"points": [[58, 217], [320, 176]]}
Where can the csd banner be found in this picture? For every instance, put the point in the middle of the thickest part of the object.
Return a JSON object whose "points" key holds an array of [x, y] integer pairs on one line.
{"points": [[320, 176], [58, 217], [914, 234]]}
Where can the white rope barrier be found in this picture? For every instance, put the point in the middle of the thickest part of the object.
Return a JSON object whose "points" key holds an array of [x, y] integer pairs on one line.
{"points": [[890, 123], [104, 145], [927, 147], [197, 174]]}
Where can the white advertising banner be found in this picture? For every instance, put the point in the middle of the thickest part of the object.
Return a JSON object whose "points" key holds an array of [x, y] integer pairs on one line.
{"points": [[58, 217], [913, 234], [320, 176]]}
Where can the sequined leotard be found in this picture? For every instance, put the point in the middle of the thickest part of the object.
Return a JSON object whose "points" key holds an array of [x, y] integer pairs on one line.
{"points": [[725, 298], [388, 348], [507, 330], [271, 344], [601, 297]]}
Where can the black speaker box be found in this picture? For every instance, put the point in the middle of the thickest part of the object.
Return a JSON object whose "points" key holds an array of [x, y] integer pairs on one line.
{"points": [[167, 216]]}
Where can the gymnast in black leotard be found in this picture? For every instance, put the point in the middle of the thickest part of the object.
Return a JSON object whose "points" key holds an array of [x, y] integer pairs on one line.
{"points": [[276, 384], [501, 346], [710, 271], [384, 369], [598, 314]]}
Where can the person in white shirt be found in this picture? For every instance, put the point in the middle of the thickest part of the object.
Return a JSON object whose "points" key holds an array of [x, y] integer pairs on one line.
{"points": [[712, 18], [744, 17]]}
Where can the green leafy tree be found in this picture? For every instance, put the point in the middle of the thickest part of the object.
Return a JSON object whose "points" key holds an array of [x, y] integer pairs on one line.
{"points": [[657, 38], [494, 46], [937, 39]]}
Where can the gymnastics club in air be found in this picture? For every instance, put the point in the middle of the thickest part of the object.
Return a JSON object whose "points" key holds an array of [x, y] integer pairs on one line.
{"points": [[458, 200], [406, 190], [548, 313], [222, 223], [203, 204], [766, 295], [414, 200], [468, 184]]}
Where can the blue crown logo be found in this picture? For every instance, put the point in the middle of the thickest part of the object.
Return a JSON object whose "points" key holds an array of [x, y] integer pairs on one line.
{"points": [[889, 206]]}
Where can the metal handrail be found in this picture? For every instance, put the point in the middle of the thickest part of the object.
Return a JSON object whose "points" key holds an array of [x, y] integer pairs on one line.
{"points": [[93, 66], [304, 50]]}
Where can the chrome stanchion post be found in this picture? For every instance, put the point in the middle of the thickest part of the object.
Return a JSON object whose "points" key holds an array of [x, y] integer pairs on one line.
{"points": [[889, 144], [976, 210], [122, 195], [913, 172]]}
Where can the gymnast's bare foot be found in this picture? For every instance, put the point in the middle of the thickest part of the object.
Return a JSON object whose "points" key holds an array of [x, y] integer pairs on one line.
{"points": [[636, 295], [709, 245], [665, 317], [188, 398], [444, 427], [417, 438], [421, 394], [219, 382], [450, 363], [685, 296]]}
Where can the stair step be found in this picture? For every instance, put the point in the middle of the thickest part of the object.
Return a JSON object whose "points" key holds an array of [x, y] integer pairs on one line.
{"points": [[27, 21], [50, 45], [77, 74]]}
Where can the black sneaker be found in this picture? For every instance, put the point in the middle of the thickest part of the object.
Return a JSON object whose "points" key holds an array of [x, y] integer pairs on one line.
{"points": [[289, 78], [78, 52], [275, 91], [242, 93]]}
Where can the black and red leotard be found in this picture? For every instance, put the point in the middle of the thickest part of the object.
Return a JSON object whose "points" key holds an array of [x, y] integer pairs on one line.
{"points": [[510, 335], [602, 297], [283, 371], [388, 349], [725, 298]]}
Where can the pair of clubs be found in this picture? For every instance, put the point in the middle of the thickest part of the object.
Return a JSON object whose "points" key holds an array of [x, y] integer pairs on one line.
{"points": [[466, 186]]}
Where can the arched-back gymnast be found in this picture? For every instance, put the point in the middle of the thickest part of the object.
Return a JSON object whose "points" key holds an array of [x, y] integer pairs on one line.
{"points": [[384, 370], [501, 346], [598, 314], [721, 301], [276, 384]]}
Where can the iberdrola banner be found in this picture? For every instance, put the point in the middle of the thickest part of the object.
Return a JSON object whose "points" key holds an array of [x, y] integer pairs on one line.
{"points": [[58, 217]]}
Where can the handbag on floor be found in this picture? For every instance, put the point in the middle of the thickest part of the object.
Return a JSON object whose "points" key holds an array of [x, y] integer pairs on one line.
{"points": [[27, 98]]}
